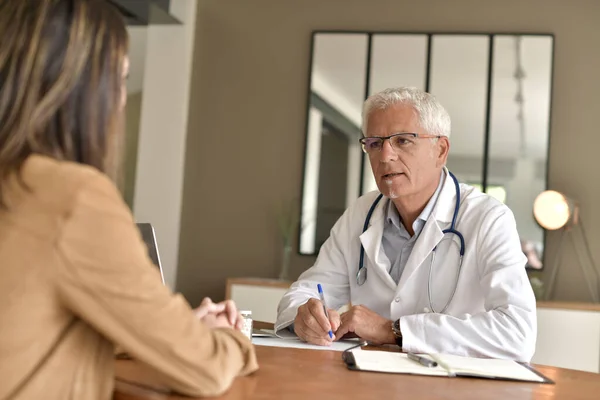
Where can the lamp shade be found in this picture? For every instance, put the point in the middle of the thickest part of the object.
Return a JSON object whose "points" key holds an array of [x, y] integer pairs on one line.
{"points": [[552, 209]]}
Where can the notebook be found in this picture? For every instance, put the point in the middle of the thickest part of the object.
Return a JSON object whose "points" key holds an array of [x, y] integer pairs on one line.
{"points": [[263, 333], [447, 366]]}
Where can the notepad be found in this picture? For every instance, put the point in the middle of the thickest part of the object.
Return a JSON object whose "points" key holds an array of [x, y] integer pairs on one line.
{"points": [[263, 333], [448, 366], [338, 345]]}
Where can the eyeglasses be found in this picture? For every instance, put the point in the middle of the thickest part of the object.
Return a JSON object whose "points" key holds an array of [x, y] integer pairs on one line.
{"points": [[399, 141]]}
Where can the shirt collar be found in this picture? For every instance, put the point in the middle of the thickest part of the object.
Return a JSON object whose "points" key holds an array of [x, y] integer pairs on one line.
{"points": [[393, 216]]}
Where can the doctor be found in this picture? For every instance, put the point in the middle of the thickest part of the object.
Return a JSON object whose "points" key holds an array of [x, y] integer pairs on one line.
{"points": [[436, 267]]}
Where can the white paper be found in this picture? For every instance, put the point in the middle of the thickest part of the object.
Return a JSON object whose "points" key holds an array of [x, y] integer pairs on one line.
{"points": [[298, 344], [448, 365], [486, 367], [387, 361]]}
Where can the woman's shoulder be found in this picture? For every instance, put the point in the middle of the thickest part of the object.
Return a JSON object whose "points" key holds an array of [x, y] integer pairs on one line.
{"points": [[48, 192], [41, 166], [58, 184]]}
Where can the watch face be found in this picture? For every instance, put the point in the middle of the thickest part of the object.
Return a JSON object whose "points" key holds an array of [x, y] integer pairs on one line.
{"points": [[397, 325]]}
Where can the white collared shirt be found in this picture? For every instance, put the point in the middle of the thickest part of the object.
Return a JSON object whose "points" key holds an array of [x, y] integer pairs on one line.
{"points": [[396, 241]]}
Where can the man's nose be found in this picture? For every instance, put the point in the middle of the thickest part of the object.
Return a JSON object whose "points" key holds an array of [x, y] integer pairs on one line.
{"points": [[387, 152]]}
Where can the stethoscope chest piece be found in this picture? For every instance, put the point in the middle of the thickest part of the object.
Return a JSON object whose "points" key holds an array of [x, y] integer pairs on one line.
{"points": [[361, 276]]}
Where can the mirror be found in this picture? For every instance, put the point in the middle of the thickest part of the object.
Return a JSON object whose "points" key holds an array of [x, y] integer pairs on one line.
{"points": [[333, 154], [496, 88], [519, 132], [461, 87]]}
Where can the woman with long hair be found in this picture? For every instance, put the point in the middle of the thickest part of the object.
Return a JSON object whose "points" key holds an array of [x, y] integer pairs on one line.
{"points": [[75, 276]]}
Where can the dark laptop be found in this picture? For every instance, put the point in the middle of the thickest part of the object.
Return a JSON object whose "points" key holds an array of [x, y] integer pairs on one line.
{"points": [[149, 236]]}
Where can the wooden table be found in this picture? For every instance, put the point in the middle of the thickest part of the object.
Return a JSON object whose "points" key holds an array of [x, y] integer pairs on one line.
{"points": [[287, 373]]}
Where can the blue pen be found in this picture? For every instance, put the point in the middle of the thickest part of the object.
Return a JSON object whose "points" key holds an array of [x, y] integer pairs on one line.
{"points": [[322, 295]]}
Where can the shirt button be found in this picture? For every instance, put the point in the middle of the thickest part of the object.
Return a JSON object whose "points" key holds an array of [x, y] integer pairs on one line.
{"points": [[426, 309], [397, 299]]}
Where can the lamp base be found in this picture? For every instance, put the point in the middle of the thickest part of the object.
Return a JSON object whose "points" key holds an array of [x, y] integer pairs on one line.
{"points": [[567, 230]]}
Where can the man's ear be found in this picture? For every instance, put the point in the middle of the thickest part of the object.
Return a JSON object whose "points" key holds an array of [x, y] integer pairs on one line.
{"points": [[442, 149]]}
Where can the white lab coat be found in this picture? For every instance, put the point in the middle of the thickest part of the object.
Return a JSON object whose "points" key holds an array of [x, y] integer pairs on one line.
{"points": [[493, 312]]}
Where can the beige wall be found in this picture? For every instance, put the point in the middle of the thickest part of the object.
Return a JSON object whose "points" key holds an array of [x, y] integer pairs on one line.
{"points": [[248, 105], [132, 130]]}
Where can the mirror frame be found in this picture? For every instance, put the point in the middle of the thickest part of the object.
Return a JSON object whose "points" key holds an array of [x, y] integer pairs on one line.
{"points": [[487, 129]]}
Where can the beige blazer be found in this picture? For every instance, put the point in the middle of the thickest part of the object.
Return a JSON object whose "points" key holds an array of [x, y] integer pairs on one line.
{"points": [[76, 280]]}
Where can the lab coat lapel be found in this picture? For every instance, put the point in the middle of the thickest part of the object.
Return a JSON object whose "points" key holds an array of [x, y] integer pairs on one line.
{"points": [[431, 235], [371, 241], [444, 208]]}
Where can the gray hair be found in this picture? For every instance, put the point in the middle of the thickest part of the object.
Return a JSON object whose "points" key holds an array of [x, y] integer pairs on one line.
{"points": [[433, 117]]}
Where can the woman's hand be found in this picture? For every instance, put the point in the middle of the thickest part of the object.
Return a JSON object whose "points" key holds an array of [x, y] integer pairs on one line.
{"points": [[223, 314]]}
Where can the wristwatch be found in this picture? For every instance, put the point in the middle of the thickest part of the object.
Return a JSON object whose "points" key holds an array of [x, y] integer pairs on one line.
{"points": [[397, 333]]}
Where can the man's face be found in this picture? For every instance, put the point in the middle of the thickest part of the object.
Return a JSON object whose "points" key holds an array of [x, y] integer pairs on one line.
{"points": [[416, 165]]}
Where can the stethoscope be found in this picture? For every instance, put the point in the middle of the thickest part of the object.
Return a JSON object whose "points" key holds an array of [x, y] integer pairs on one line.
{"points": [[361, 275]]}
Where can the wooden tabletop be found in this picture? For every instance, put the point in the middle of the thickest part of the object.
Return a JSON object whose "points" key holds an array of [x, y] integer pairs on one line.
{"points": [[566, 305], [301, 374]]}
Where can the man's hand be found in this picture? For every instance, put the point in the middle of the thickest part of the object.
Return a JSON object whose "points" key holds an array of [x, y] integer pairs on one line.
{"points": [[367, 325], [219, 313], [311, 324]]}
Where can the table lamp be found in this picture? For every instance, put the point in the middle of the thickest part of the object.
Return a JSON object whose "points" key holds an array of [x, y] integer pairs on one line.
{"points": [[553, 211]]}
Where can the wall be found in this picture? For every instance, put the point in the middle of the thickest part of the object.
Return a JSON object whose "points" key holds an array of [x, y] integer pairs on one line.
{"points": [[163, 129], [245, 145], [132, 128]]}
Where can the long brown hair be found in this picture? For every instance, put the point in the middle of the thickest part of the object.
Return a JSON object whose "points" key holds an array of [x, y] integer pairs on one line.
{"points": [[61, 75]]}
